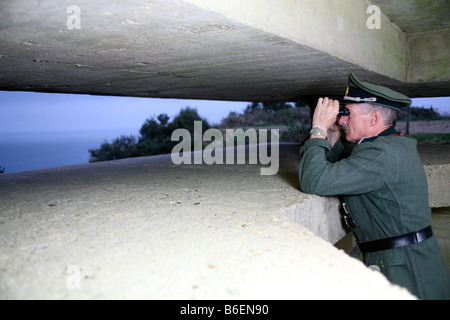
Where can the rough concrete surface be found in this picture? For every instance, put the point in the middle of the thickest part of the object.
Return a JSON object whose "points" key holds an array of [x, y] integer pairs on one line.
{"points": [[222, 50], [147, 229], [436, 160]]}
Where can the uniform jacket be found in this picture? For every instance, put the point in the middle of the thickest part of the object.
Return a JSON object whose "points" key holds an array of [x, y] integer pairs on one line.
{"points": [[385, 188]]}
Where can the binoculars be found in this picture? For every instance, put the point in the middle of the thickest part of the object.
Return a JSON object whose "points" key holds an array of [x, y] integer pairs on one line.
{"points": [[343, 111]]}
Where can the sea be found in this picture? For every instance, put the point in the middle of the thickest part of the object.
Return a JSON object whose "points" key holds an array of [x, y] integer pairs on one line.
{"points": [[30, 151]]}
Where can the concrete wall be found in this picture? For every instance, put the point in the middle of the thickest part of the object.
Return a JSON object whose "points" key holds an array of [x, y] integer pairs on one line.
{"points": [[438, 185], [338, 28], [429, 56]]}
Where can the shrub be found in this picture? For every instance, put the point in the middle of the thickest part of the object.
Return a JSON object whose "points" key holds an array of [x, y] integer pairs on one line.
{"points": [[155, 137]]}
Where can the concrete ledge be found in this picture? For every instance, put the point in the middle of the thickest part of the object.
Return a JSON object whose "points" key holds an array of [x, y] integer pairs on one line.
{"points": [[321, 215], [146, 229]]}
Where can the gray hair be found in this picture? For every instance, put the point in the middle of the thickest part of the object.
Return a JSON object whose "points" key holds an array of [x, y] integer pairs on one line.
{"points": [[389, 115]]}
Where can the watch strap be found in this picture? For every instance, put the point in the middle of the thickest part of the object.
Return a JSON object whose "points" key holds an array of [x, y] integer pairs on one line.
{"points": [[317, 131]]}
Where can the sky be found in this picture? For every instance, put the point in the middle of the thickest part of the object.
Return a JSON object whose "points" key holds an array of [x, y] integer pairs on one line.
{"points": [[46, 112]]}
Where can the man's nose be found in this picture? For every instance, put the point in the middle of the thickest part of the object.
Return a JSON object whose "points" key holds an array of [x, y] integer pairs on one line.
{"points": [[342, 120]]}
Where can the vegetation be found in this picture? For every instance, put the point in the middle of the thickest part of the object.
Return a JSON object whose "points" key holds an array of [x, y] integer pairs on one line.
{"points": [[420, 114], [155, 137], [2, 169], [293, 120], [432, 138], [119, 148]]}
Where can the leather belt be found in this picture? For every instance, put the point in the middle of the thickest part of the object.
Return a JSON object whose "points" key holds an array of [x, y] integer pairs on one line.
{"points": [[396, 242]]}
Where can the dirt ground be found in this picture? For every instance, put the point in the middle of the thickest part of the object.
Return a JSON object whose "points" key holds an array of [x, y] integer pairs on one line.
{"points": [[431, 153]]}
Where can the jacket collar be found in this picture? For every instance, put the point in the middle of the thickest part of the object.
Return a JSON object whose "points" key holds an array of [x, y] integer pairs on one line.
{"points": [[388, 132]]}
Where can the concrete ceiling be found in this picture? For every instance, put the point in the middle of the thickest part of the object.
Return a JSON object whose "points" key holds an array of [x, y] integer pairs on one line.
{"points": [[417, 15], [197, 49]]}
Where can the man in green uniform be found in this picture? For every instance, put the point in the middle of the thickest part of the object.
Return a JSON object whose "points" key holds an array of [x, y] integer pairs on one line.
{"points": [[383, 184]]}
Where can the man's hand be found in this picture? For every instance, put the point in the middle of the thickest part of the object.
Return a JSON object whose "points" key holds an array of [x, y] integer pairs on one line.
{"points": [[334, 134], [325, 115]]}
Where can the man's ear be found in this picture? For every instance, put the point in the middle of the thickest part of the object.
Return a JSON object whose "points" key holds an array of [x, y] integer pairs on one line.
{"points": [[375, 118]]}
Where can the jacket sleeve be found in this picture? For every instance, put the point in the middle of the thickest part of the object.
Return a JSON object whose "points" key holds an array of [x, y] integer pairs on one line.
{"points": [[336, 153], [362, 172], [341, 149]]}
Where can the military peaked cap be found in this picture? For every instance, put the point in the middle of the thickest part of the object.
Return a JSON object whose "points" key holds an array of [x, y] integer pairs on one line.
{"points": [[363, 92]]}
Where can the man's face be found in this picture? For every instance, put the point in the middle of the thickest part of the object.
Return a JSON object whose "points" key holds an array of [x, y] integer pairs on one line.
{"points": [[355, 124]]}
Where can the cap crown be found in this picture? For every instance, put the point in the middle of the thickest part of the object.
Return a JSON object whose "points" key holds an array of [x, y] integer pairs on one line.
{"points": [[363, 92]]}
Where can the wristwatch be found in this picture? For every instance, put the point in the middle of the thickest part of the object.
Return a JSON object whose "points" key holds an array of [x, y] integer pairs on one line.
{"points": [[318, 132]]}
